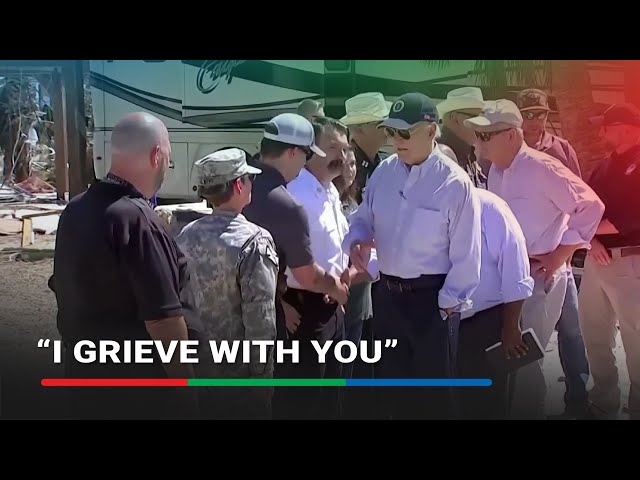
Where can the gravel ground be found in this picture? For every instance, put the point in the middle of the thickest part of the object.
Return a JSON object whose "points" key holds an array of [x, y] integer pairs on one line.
{"points": [[28, 312]]}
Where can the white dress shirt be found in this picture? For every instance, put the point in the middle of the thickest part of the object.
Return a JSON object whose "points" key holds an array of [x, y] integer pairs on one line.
{"points": [[327, 224], [553, 206], [425, 220], [505, 273]]}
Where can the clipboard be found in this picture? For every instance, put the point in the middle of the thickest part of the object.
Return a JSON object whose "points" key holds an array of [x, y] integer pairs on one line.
{"points": [[497, 359]]}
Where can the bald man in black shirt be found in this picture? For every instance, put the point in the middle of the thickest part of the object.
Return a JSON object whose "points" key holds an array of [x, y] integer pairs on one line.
{"points": [[118, 275]]}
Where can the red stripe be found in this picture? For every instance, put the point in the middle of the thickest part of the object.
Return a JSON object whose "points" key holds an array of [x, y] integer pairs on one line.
{"points": [[114, 382]]}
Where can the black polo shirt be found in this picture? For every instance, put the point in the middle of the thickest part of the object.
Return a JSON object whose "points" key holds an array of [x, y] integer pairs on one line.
{"points": [[466, 156], [272, 207], [365, 167], [116, 267], [617, 182]]}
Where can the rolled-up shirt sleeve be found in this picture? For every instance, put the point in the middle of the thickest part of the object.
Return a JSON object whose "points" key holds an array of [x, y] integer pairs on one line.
{"points": [[465, 244], [575, 198]]}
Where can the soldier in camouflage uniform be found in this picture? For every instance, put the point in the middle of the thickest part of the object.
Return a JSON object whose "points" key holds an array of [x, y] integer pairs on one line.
{"points": [[235, 266]]}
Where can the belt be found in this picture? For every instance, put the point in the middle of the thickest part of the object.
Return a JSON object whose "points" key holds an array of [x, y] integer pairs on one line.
{"points": [[423, 282], [623, 252]]}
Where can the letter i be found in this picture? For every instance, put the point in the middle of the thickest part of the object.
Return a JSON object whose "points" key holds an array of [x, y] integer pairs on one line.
{"points": [[57, 351]]}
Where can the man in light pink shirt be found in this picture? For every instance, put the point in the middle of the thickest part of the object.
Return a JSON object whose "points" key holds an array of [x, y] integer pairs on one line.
{"points": [[558, 213]]}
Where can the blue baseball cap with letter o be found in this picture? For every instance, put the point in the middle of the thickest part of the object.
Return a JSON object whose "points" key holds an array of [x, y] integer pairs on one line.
{"points": [[409, 110]]}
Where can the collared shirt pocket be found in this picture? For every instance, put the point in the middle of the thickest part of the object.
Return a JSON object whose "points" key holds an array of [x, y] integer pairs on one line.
{"points": [[426, 232]]}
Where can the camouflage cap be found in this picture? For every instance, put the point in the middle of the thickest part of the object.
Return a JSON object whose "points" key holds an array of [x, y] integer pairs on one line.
{"points": [[223, 166], [532, 99]]}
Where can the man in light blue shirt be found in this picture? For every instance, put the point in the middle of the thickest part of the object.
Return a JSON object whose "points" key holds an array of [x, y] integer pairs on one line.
{"points": [[505, 282], [422, 212]]}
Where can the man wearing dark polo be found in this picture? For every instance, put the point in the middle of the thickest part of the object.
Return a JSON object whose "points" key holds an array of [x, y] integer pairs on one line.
{"points": [[461, 104], [364, 112], [534, 107], [288, 143], [118, 275], [611, 278]]}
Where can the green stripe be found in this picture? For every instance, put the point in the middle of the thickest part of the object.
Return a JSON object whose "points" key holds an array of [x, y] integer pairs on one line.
{"points": [[266, 382]]}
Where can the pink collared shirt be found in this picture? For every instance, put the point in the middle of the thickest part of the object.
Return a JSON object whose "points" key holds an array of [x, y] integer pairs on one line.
{"points": [[553, 205]]}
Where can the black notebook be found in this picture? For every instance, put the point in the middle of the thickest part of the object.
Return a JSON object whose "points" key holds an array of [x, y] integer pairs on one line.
{"points": [[497, 358]]}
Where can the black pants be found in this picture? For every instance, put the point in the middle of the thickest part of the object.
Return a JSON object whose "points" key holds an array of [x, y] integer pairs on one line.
{"points": [[408, 312], [320, 322], [476, 334]]}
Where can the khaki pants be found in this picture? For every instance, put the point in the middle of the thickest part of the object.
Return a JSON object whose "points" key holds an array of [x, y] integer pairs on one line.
{"points": [[541, 312], [608, 295]]}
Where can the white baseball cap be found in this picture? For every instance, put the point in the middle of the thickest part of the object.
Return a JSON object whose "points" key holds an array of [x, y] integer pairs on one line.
{"points": [[496, 114], [293, 129]]}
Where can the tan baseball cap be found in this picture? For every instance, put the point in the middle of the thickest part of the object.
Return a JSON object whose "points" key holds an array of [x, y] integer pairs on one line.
{"points": [[496, 115]]}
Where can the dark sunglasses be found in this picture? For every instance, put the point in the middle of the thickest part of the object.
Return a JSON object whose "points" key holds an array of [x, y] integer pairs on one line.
{"points": [[536, 115], [486, 136], [307, 151], [402, 133]]}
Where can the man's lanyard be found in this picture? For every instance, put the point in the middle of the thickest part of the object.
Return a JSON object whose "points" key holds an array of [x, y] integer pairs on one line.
{"points": [[111, 178]]}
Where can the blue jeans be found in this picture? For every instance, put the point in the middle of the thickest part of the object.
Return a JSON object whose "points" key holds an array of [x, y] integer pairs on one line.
{"points": [[573, 356]]}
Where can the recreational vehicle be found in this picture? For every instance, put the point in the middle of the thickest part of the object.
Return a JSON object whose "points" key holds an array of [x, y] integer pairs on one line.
{"points": [[212, 104]]}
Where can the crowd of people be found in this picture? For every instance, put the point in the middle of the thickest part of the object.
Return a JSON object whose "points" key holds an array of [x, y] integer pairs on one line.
{"points": [[459, 240]]}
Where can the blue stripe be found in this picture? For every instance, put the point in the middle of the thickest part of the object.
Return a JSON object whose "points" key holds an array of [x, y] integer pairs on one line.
{"points": [[419, 382]]}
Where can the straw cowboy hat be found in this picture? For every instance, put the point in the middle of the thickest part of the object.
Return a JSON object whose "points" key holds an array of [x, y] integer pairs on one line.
{"points": [[366, 108], [461, 99]]}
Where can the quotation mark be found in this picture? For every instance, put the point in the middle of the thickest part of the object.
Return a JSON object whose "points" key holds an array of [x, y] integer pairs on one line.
{"points": [[57, 350], [390, 343]]}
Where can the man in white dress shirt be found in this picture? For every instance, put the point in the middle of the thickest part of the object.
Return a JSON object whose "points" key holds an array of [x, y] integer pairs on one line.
{"points": [[558, 214], [320, 320], [422, 212]]}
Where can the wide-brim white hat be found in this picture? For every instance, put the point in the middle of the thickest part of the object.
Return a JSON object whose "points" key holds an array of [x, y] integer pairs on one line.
{"points": [[461, 99], [366, 108]]}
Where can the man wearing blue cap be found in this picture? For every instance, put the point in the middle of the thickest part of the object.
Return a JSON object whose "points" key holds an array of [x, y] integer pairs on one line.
{"points": [[422, 213]]}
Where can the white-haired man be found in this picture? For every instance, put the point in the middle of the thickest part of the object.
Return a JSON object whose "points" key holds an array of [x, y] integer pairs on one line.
{"points": [[558, 214]]}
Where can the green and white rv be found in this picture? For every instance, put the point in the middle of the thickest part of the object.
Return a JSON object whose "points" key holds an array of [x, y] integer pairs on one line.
{"points": [[212, 104]]}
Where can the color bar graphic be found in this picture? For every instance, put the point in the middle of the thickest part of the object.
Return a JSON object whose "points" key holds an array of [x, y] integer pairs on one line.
{"points": [[265, 382]]}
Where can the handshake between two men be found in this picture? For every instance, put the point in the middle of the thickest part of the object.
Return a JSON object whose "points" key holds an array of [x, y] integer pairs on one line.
{"points": [[336, 289]]}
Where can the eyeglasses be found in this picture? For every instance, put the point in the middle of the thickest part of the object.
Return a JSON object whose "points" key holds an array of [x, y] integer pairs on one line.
{"points": [[404, 134], [536, 115], [486, 136], [307, 151]]}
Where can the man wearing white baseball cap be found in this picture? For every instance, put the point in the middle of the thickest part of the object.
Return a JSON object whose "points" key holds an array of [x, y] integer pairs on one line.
{"points": [[288, 143], [558, 214], [364, 112], [461, 104]]}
